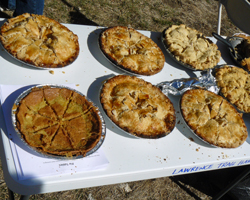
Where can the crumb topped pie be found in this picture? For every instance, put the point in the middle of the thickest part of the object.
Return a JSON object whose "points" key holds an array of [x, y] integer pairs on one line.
{"points": [[39, 41], [138, 107], [131, 50], [213, 118], [234, 84], [191, 47], [58, 121]]}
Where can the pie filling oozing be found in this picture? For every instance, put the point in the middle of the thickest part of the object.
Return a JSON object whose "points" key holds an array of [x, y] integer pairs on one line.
{"points": [[39, 41], [213, 118], [191, 47], [58, 121], [138, 107], [131, 50], [234, 84]]}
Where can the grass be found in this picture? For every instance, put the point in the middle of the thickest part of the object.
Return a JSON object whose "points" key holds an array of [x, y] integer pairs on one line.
{"points": [[140, 14]]}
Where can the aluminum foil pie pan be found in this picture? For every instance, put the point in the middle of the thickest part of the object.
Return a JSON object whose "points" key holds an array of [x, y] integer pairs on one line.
{"points": [[118, 127], [37, 150]]}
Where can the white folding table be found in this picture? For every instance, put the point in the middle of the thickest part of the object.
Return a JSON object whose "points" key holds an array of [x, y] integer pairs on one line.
{"points": [[130, 159]]}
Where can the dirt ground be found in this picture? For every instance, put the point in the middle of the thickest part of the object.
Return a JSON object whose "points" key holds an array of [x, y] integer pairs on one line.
{"points": [[153, 16]]}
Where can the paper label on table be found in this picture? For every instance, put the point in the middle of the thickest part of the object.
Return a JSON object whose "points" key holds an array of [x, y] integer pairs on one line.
{"points": [[29, 164]]}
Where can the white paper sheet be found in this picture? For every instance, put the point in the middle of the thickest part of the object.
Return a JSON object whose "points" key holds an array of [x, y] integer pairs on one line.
{"points": [[30, 164]]}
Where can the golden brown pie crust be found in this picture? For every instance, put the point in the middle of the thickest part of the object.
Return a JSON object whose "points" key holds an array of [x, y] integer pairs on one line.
{"points": [[39, 41], [191, 47], [131, 50], [58, 121], [213, 118], [234, 84], [138, 107]]}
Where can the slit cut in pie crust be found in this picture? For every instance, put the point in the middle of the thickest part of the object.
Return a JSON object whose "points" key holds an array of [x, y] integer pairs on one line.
{"points": [[39, 41], [213, 118], [58, 121], [138, 107], [131, 50]]}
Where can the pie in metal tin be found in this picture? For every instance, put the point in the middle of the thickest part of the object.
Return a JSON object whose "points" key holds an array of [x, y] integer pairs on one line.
{"points": [[137, 107], [190, 47], [132, 51], [58, 121], [213, 119], [39, 41], [234, 84]]}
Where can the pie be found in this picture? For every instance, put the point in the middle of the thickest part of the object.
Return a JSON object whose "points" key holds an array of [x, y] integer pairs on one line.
{"points": [[234, 83], [138, 107], [213, 118], [191, 47], [131, 50], [244, 50], [39, 41], [58, 121]]}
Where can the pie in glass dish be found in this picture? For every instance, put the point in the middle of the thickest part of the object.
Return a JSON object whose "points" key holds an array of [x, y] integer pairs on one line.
{"points": [[213, 119], [234, 84], [58, 121], [39, 41], [191, 47], [137, 107], [132, 51]]}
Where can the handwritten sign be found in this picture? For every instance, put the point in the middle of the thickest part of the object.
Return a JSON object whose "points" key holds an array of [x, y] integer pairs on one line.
{"points": [[65, 164], [192, 169], [222, 165]]}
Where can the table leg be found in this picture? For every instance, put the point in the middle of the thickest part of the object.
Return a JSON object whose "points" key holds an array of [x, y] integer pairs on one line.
{"points": [[24, 197], [11, 196], [232, 184], [219, 17]]}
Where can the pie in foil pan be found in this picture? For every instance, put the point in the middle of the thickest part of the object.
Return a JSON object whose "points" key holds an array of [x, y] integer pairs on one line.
{"points": [[58, 122]]}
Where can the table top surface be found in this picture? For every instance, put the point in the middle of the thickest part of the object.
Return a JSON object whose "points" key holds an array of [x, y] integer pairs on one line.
{"points": [[130, 158]]}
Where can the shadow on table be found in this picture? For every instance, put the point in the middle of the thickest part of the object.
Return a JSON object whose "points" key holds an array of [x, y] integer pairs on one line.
{"points": [[156, 37], [10, 120], [94, 49], [10, 176]]}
